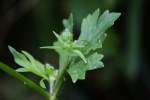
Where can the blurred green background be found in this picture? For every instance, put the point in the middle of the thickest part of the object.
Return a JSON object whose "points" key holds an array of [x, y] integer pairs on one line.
{"points": [[28, 24]]}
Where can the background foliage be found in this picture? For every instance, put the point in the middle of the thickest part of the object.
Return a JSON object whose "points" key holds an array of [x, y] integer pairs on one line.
{"points": [[28, 24]]}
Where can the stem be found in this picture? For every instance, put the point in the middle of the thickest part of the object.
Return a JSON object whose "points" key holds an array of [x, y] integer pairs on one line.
{"points": [[133, 30], [62, 69], [51, 87], [58, 84], [25, 80]]}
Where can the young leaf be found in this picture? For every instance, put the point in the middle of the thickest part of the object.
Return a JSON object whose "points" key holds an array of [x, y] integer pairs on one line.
{"points": [[49, 69], [58, 37], [68, 23], [42, 84], [22, 70], [52, 73]]}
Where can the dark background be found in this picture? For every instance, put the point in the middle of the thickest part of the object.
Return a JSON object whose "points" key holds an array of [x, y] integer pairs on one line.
{"points": [[28, 24]]}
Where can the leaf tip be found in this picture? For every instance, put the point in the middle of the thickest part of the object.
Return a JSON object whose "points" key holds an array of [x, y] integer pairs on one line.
{"points": [[118, 14], [10, 48], [97, 10], [107, 11], [74, 81]]}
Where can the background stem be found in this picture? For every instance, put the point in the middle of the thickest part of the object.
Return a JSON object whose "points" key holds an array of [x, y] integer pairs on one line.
{"points": [[134, 31]]}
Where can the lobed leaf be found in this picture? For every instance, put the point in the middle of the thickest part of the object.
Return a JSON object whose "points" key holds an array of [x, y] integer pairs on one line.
{"points": [[93, 29], [78, 70], [28, 63], [92, 35]]}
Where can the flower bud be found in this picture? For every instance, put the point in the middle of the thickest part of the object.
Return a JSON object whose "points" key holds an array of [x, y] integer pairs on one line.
{"points": [[67, 36]]}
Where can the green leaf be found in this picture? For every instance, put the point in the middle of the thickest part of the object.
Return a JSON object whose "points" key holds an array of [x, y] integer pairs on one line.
{"points": [[94, 61], [42, 84], [49, 69], [80, 55], [19, 58], [22, 70], [91, 38], [50, 47], [25, 80], [78, 70], [68, 23], [28, 63], [58, 37], [51, 72], [38, 66], [93, 29]]}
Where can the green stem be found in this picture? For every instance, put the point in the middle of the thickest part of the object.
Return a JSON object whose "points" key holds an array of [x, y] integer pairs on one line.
{"points": [[133, 30], [58, 85], [25, 80], [62, 69]]}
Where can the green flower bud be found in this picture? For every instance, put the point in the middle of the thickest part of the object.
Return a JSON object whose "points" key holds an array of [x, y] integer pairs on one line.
{"points": [[67, 36]]}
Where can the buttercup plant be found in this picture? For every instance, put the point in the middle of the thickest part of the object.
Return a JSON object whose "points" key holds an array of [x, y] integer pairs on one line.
{"points": [[75, 56]]}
